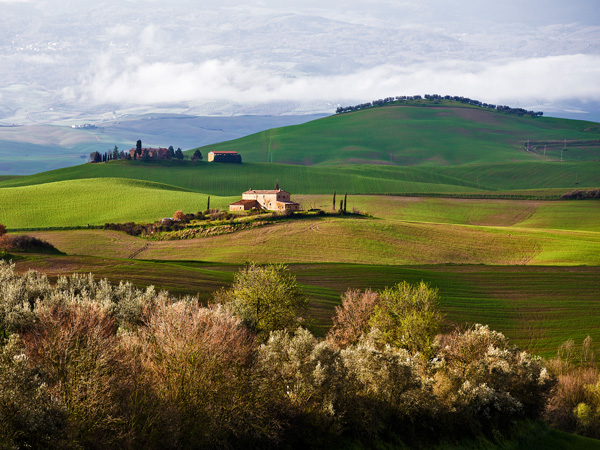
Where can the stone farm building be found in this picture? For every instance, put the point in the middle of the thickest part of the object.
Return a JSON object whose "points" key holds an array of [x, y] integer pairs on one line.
{"points": [[226, 157], [154, 153], [274, 200]]}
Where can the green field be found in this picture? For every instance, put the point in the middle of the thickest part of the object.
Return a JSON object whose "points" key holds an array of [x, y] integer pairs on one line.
{"points": [[95, 202], [233, 179]]}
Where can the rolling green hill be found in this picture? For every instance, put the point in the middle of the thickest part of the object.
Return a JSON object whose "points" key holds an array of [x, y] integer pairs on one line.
{"points": [[446, 148], [233, 179], [81, 202], [431, 135]]}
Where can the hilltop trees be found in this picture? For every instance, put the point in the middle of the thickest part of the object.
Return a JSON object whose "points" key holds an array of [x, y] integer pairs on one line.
{"points": [[95, 157], [197, 156], [436, 98]]}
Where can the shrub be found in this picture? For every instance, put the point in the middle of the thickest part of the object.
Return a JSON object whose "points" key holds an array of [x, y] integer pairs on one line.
{"points": [[352, 318], [2, 230], [488, 382], [179, 216], [307, 377], [75, 346], [574, 405], [407, 317], [29, 417], [18, 295], [24, 243], [195, 362], [266, 298], [387, 389]]}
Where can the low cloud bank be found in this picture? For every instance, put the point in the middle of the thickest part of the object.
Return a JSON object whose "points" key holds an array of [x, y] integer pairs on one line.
{"points": [[533, 80]]}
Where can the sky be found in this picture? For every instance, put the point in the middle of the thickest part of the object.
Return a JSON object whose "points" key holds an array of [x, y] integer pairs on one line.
{"points": [[68, 58]]}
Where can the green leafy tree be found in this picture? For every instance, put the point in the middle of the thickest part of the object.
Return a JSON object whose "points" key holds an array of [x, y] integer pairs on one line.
{"points": [[179, 154], [197, 156], [266, 298], [407, 317], [115, 153]]}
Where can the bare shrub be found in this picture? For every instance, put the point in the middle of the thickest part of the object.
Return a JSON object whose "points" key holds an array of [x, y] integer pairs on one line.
{"points": [[75, 346], [351, 320], [196, 362], [24, 243], [575, 402]]}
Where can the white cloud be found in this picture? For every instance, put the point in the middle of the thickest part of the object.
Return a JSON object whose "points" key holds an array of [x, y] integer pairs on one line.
{"points": [[517, 82]]}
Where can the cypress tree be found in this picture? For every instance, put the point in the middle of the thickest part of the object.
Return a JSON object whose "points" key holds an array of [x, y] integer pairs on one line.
{"points": [[345, 198], [333, 207]]}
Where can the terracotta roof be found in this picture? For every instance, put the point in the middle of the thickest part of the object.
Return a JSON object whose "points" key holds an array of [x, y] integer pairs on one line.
{"points": [[268, 191], [244, 202], [223, 152]]}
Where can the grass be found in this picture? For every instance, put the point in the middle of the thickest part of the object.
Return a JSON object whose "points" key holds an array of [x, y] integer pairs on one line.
{"points": [[95, 202], [351, 240], [232, 179], [441, 135]]}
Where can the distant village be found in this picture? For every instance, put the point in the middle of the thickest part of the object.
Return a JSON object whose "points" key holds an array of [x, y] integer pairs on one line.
{"points": [[153, 154]]}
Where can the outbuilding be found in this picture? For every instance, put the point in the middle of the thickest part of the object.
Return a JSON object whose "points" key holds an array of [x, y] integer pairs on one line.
{"points": [[225, 157]]}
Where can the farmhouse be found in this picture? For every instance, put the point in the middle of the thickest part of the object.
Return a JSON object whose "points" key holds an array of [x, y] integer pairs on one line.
{"points": [[224, 156], [275, 200], [154, 153]]}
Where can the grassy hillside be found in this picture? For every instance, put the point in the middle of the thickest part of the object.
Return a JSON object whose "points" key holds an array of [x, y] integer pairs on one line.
{"points": [[356, 240], [233, 179], [95, 202], [434, 135]]}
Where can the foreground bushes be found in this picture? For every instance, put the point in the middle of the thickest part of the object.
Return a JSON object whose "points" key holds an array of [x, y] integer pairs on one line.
{"points": [[575, 403], [87, 364]]}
